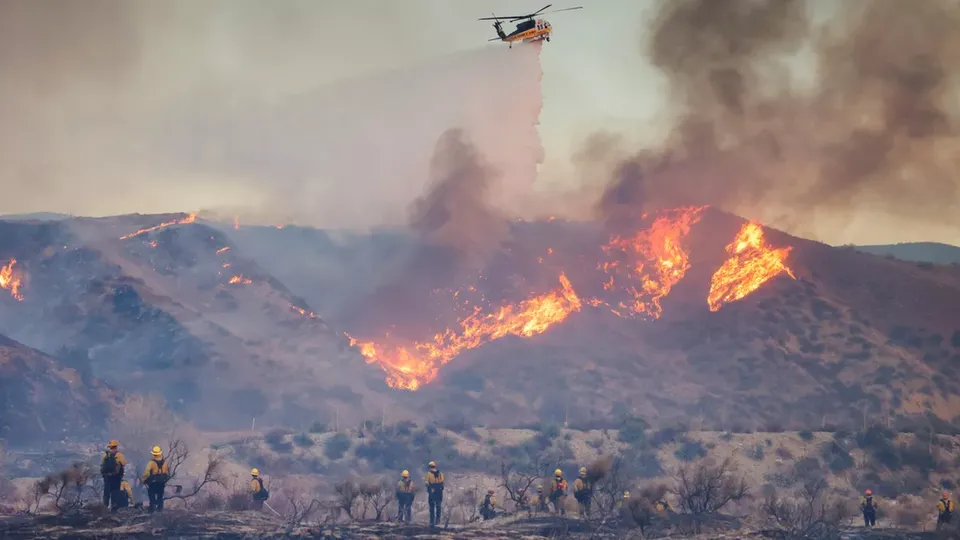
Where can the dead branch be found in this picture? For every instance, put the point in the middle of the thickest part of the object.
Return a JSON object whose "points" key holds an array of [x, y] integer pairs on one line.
{"points": [[809, 513], [704, 488]]}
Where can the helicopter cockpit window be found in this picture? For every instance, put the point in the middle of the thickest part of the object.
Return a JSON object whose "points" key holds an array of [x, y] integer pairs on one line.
{"points": [[525, 25]]}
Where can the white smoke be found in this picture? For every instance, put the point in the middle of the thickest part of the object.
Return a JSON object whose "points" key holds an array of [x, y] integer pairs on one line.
{"points": [[357, 153]]}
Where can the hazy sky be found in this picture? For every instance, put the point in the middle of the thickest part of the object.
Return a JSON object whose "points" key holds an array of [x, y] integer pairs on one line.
{"points": [[117, 106]]}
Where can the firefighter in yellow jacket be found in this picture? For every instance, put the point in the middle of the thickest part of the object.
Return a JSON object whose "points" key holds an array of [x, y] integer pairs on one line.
{"points": [[583, 492], [112, 467], [558, 493], [434, 482], [123, 497], [488, 508], [405, 496], [155, 477], [258, 492], [945, 510]]}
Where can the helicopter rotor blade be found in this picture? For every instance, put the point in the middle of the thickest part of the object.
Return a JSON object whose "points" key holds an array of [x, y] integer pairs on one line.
{"points": [[513, 17], [564, 9]]}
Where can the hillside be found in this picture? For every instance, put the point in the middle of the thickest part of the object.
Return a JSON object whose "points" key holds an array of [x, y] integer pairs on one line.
{"points": [[852, 332], [42, 400], [176, 311], [931, 252], [232, 323]]}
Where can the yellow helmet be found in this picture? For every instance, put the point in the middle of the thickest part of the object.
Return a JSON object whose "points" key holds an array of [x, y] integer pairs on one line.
{"points": [[405, 474], [432, 464], [558, 472], [583, 471], [113, 443], [626, 494], [539, 489], [157, 452], [254, 472]]}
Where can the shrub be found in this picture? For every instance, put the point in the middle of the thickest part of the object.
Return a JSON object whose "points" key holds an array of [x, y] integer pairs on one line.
{"points": [[303, 440], [784, 453], [806, 435], [665, 436], [632, 430], [756, 453], [690, 451], [336, 446], [318, 427], [274, 436]]}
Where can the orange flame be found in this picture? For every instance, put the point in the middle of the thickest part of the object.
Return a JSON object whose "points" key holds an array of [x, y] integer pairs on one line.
{"points": [[304, 312], [240, 279], [654, 258], [751, 264], [10, 280], [410, 367], [189, 219], [221, 250]]}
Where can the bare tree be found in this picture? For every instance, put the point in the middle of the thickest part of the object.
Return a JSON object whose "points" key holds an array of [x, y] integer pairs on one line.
{"points": [[177, 454], [809, 514], [467, 503], [67, 488], [517, 481], [375, 494], [610, 480], [703, 488], [347, 496]]}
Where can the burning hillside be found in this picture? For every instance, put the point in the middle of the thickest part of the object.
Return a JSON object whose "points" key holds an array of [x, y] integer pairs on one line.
{"points": [[639, 271]]}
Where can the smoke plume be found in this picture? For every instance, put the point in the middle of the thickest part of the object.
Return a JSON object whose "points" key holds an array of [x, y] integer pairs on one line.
{"points": [[456, 230], [876, 130], [277, 112]]}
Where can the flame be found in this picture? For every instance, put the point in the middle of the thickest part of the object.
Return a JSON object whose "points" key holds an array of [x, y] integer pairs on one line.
{"points": [[11, 280], [409, 367], [189, 219], [751, 264], [651, 261], [240, 279], [221, 250], [236, 223], [152, 244], [304, 312]]}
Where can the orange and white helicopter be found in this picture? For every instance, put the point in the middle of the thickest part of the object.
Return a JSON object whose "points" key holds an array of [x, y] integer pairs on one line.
{"points": [[528, 31]]}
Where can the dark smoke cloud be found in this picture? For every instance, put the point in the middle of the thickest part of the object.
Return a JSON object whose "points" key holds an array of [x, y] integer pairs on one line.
{"points": [[878, 129], [456, 231]]}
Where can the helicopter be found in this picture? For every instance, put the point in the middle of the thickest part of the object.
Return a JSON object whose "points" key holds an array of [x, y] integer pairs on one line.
{"points": [[528, 31]]}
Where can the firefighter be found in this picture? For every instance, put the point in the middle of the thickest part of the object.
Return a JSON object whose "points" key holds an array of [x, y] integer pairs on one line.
{"points": [[488, 508], [583, 492], [558, 492], [405, 497], [945, 510], [625, 500], [258, 493], [155, 477], [112, 467], [539, 502], [122, 497], [869, 507], [434, 482], [523, 502]]}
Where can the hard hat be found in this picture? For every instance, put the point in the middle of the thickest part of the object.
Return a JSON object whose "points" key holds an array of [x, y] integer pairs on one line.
{"points": [[405, 474], [490, 491], [113, 443], [944, 494], [626, 494], [583, 470], [868, 492], [539, 488], [432, 464], [558, 472], [254, 472], [156, 451]]}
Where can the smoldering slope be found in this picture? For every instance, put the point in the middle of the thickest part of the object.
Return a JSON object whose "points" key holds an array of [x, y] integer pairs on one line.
{"points": [[358, 153], [865, 148]]}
